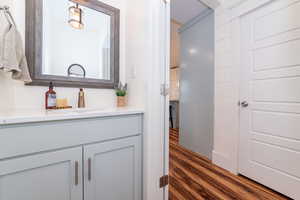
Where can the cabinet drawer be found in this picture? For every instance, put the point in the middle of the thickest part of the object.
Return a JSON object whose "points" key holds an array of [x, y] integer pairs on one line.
{"points": [[16, 140]]}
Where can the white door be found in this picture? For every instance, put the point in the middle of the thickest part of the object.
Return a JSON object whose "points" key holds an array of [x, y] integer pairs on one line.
{"points": [[46, 176], [270, 85], [113, 170]]}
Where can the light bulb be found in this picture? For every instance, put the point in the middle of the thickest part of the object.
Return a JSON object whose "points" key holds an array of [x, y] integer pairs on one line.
{"points": [[75, 17]]}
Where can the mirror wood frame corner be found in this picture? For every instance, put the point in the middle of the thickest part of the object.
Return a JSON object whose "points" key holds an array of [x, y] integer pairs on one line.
{"points": [[34, 47]]}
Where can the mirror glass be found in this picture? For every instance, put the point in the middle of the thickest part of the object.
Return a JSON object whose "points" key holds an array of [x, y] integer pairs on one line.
{"points": [[71, 52]]}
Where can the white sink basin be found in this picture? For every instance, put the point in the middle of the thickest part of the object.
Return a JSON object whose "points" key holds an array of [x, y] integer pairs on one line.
{"points": [[75, 110], [87, 110]]}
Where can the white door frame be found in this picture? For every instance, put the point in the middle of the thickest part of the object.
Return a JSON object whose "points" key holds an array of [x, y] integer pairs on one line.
{"points": [[155, 116], [167, 44]]}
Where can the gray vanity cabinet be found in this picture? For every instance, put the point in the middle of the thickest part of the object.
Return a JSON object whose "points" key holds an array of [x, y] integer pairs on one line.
{"points": [[46, 176], [113, 170], [82, 159]]}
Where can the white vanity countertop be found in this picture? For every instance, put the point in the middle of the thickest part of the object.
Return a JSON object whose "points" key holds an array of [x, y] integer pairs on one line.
{"points": [[18, 117]]}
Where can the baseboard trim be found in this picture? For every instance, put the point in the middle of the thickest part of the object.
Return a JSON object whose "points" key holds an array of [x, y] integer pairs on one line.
{"points": [[224, 161]]}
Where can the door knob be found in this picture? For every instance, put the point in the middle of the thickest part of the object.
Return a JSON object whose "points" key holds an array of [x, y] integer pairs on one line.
{"points": [[244, 104]]}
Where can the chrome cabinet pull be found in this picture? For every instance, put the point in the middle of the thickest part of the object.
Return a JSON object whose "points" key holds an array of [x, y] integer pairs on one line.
{"points": [[89, 169], [76, 173]]}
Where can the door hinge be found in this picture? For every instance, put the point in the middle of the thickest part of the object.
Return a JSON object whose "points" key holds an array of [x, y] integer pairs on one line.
{"points": [[164, 181], [164, 90]]}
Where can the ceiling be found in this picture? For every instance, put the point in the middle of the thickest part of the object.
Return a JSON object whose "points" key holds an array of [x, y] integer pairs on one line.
{"points": [[184, 10]]}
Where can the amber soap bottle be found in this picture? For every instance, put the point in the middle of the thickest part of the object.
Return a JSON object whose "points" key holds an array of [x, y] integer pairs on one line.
{"points": [[50, 98], [81, 99]]}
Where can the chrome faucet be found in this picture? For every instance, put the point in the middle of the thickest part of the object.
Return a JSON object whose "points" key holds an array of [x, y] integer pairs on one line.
{"points": [[72, 73]]}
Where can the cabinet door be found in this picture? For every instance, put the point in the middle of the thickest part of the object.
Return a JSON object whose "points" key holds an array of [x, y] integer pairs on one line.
{"points": [[113, 170], [46, 176]]}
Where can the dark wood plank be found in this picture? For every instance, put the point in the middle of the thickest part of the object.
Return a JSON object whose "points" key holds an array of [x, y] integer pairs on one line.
{"points": [[193, 177]]}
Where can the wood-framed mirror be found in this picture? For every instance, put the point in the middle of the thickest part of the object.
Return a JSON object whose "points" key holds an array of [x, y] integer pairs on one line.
{"points": [[73, 43]]}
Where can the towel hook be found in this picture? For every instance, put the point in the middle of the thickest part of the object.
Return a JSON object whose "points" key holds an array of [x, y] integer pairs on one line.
{"points": [[5, 8]]}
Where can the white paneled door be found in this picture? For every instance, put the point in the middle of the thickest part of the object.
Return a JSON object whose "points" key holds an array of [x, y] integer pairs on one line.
{"points": [[270, 95]]}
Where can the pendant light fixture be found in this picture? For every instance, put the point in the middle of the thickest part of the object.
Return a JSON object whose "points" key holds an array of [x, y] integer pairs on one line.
{"points": [[75, 17]]}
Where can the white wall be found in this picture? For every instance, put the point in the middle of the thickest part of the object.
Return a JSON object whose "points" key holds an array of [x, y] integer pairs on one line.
{"points": [[226, 93], [144, 68], [14, 95], [231, 3]]}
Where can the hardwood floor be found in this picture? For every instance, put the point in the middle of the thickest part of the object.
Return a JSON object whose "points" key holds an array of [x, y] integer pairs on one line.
{"points": [[193, 177]]}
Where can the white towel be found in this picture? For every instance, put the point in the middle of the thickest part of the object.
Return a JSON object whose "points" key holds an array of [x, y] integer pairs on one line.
{"points": [[12, 56]]}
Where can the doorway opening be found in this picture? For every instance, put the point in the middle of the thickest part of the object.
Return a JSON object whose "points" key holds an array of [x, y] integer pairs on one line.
{"points": [[191, 85], [192, 76]]}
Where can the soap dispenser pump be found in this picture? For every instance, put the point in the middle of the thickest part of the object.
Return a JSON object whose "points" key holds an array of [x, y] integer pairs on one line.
{"points": [[81, 99]]}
